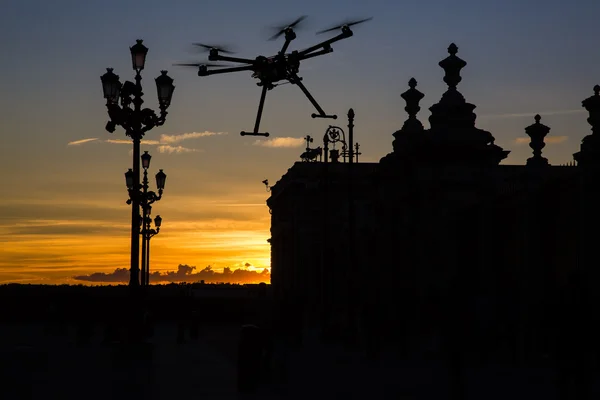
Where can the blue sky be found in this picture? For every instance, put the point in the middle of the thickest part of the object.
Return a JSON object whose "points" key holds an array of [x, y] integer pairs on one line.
{"points": [[524, 57]]}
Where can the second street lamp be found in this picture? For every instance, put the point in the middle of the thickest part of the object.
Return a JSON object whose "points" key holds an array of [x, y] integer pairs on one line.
{"points": [[147, 198], [150, 233], [136, 122]]}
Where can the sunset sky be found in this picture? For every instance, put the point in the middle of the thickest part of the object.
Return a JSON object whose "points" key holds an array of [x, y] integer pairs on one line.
{"points": [[62, 206]]}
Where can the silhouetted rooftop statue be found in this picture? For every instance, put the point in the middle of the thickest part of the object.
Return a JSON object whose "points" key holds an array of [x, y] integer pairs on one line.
{"points": [[590, 145], [453, 136], [537, 132], [411, 134]]}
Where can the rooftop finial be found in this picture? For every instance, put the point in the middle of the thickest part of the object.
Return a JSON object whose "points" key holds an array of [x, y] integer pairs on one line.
{"points": [[452, 66], [537, 132], [592, 105], [452, 49], [407, 139], [412, 97], [590, 145]]}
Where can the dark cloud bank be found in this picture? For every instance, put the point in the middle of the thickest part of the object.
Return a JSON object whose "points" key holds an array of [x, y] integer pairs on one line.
{"points": [[184, 273]]}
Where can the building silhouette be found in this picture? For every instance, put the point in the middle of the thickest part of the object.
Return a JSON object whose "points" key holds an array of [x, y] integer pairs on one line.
{"points": [[439, 247]]}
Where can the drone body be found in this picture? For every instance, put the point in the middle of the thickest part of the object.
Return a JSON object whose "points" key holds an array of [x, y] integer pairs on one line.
{"points": [[276, 68], [269, 71]]}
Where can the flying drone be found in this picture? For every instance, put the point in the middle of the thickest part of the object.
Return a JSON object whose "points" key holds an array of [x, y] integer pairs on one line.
{"points": [[281, 67]]}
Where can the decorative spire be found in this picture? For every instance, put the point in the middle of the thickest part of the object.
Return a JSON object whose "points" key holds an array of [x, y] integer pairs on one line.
{"points": [[356, 152], [412, 97], [592, 105], [409, 138], [590, 145], [412, 128], [537, 132], [453, 136], [452, 66]]}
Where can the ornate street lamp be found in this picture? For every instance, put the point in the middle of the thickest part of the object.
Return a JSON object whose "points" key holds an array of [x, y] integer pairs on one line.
{"points": [[147, 198], [111, 86], [334, 135], [138, 55], [161, 178], [124, 105], [164, 88], [146, 160], [129, 179], [150, 233]]}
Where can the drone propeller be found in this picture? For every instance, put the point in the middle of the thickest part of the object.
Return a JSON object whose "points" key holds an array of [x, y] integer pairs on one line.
{"points": [[201, 64], [220, 49], [282, 28], [347, 23]]}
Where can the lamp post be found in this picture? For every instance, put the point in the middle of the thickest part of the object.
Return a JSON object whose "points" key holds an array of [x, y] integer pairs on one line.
{"points": [[150, 233], [334, 135], [147, 199], [136, 122]]}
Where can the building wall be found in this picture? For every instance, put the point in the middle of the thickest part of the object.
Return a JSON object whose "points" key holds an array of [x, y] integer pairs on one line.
{"points": [[476, 257]]}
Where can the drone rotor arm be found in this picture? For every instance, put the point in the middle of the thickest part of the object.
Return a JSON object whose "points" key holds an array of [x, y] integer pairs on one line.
{"points": [[325, 50], [326, 43], [221, 49], [285, 45], [219, 57], [345, 25], [281, 30], [227, 70], [198, 64]]}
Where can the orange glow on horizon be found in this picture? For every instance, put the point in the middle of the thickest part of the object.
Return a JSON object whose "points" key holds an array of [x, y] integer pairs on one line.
{"points": [[54, 250]]}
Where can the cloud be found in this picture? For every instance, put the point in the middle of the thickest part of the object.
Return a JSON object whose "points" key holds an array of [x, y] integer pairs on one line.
{"points": [[184, 273], [547, 140], [531, 115], [125, 141], [164, 143], [280, 142], [175, 149], [82, 141], [120, 275], [64, 229], [170, 139], [118, 141]]}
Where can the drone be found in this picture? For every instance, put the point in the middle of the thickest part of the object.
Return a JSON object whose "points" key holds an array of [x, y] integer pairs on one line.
{"points": [[282, 67]]}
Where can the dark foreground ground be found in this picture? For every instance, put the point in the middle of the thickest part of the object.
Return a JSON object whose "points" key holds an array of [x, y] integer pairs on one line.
{"points": [[35, 365]]}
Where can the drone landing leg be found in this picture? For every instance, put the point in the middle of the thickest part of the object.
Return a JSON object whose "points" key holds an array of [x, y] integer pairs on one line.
{"points": [[321, 114], [261, 104]]}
